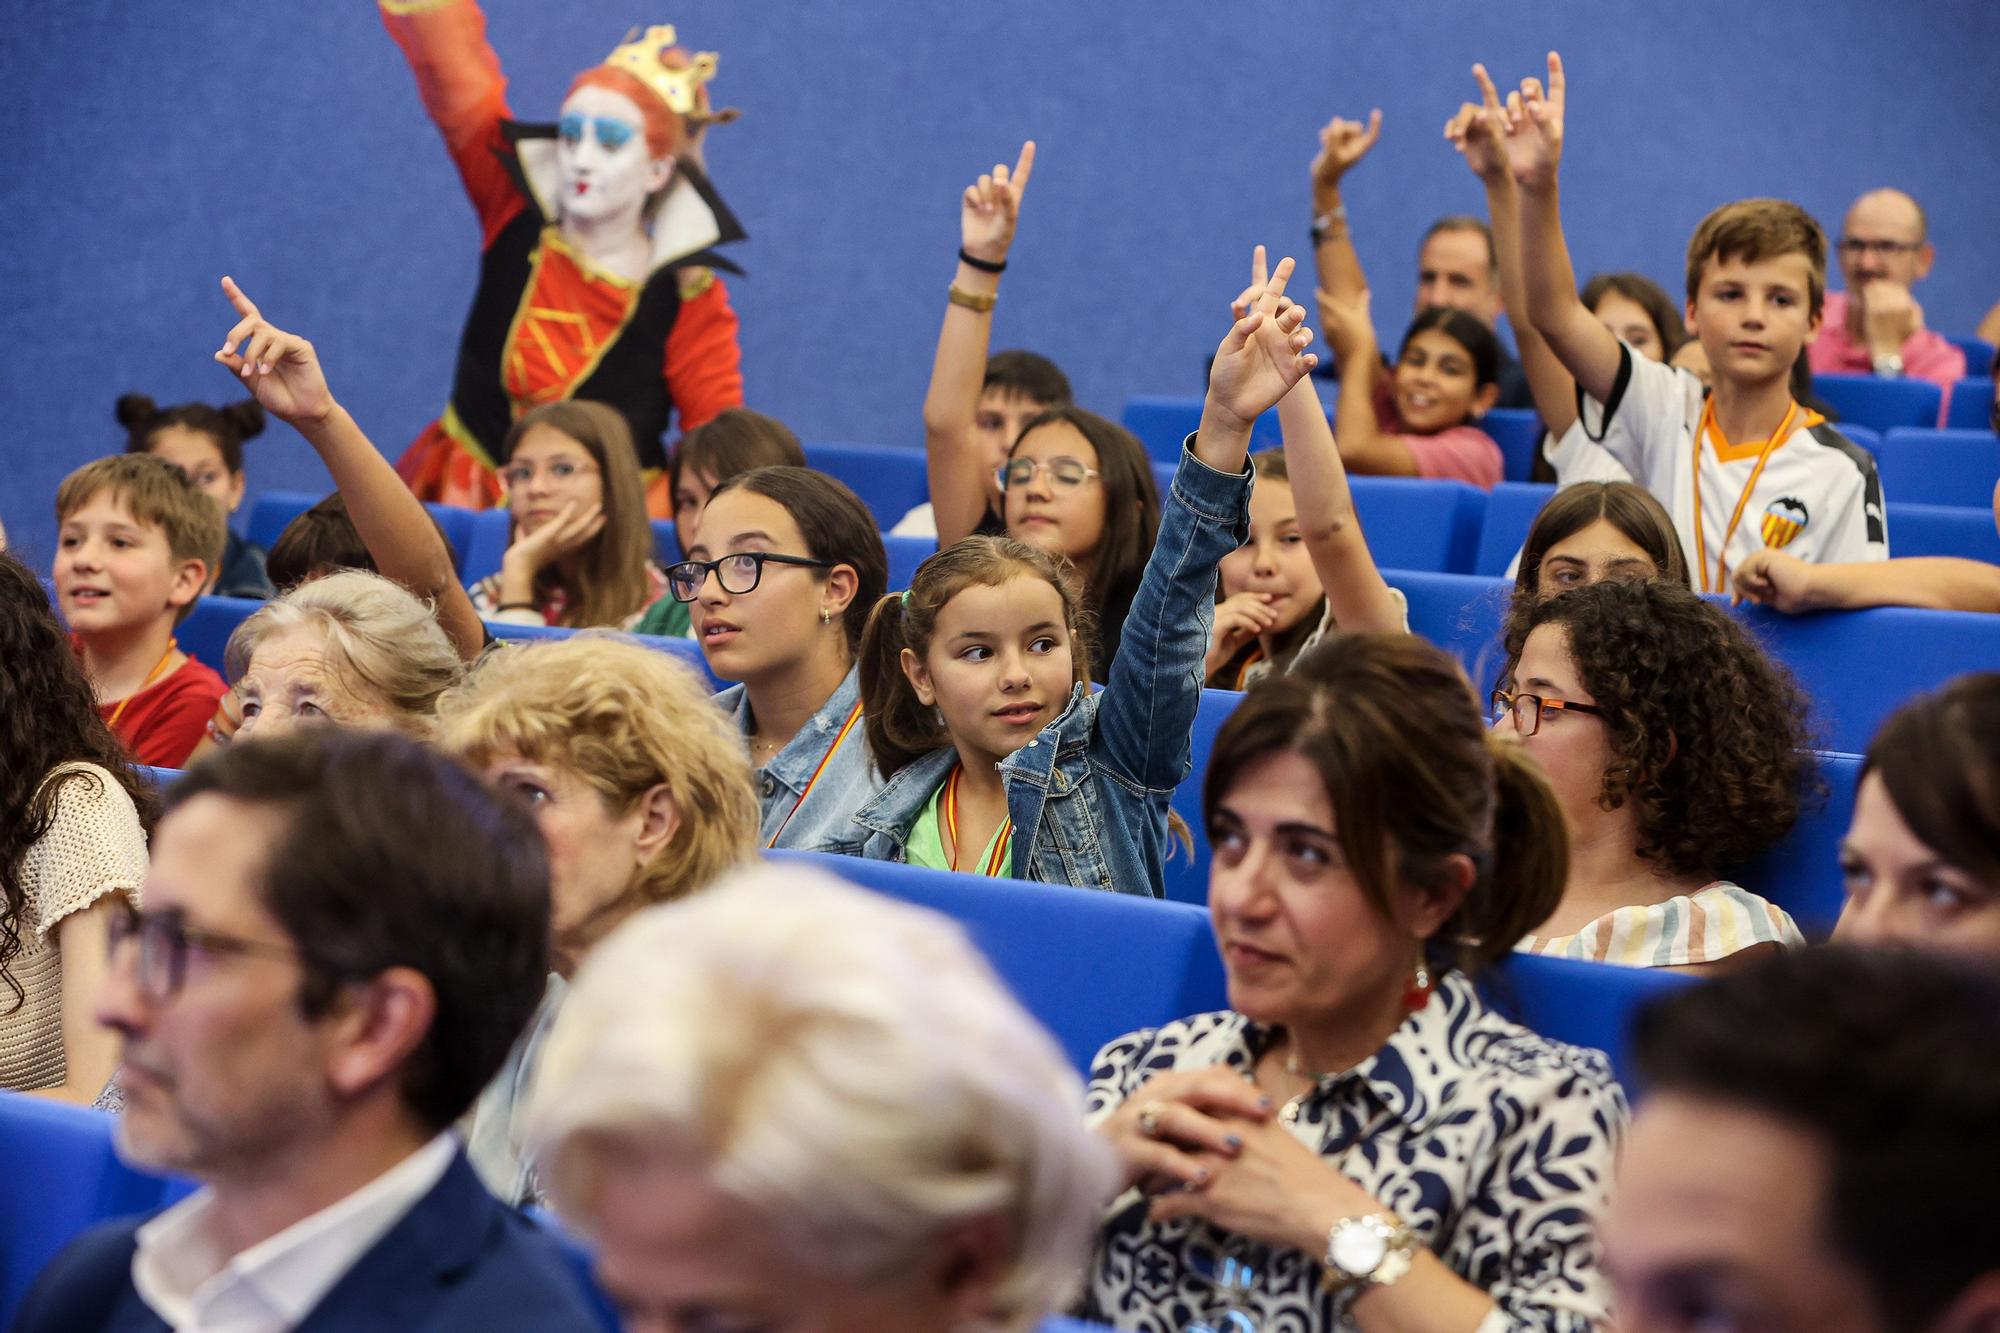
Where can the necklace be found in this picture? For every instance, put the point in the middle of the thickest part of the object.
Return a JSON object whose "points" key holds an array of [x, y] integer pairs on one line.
{"points": [[173, 645]]}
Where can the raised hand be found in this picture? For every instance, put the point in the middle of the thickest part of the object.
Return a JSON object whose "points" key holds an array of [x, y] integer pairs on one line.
{"points": [[992, 206], [1342, 143], [1350, 329], [1479, 131], [280, 369], [1535, 127], [1264, 354], [1889, 315]]}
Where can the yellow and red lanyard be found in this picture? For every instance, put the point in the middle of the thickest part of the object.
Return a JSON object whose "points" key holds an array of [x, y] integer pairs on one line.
{"points": [[173, 646], [853, 716], [1002, 842], [1764, 452]]}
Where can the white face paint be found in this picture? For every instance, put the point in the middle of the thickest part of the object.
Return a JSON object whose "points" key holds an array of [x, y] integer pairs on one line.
{"points": [[603, 167]]}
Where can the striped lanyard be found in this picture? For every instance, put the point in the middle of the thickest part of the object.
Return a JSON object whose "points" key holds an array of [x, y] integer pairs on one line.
{"points": [[1002, 841], [853, 716], [1703, 433], [173, 645]]}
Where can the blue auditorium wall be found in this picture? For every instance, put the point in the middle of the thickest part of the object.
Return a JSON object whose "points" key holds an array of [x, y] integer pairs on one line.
{"points": [[160, 144]]}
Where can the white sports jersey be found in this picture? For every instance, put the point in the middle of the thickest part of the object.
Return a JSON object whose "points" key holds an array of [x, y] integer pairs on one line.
{"points": [[1818, 496]]}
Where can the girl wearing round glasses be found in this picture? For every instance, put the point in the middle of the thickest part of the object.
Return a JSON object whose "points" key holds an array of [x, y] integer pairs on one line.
{"points": [[582, 549], [1677, 749], [778, 584]]}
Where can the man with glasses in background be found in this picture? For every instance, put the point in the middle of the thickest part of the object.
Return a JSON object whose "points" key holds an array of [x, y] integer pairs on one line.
{"points": [[1876, 326], [342, 935]]}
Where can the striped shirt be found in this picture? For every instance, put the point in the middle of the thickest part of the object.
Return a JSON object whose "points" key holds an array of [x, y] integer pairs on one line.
{"points": [[1692, 928]]}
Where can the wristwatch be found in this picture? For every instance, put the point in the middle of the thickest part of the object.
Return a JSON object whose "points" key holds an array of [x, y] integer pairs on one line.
{"points": [[1889, 364], [1322, 226], [1370, 1251]]}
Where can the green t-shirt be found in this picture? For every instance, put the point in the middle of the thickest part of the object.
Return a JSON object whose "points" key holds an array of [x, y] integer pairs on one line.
{"points": [[668, 618], [925, 846]]}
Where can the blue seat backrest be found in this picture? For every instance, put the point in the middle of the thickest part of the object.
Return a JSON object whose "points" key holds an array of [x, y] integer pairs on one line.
{"points": [[890, 479], [1582, 1003], [205, 633], [487, 534], [1460, 613], [1971, 404], [1802, 873], [1939, 467], [666, 547], [905, 554], [1089, 965], [1944, 530], [62, 1178], [1187, 876], [1419, 524], [1510, 511], [1859, 665], [687, 650], [1866, 436], [1517, 430], [1163, 423], [1978, 355], [1868, 400], [272, 510]]}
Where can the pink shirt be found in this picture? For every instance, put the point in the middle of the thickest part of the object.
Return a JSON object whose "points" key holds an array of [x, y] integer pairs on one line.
{"points": [[1462, 453], [1926, 354]]}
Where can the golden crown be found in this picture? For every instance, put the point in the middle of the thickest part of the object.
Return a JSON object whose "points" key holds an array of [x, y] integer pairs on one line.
{"points": [[679, 78]]}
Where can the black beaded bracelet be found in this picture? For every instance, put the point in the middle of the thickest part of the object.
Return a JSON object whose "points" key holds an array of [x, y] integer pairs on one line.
{"points": [[983, 265]]}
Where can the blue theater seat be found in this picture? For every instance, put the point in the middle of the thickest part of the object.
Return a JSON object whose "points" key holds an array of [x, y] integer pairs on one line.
{"points": [[1413, 523], [1978, 355], [1868, 438], [1944, 530], [1162, 423], [1460, 613], [272, 510], [905, 554], [1882, 404], [1584, 1004], [487, 534], [1517, 430], [1939, 467], [666, 546], [205, 633], [687, 650], [62, 1177], [890, 479], [1090, 966], [1510, 511], [1187, 875], [1971, 405], [1802, 873]]}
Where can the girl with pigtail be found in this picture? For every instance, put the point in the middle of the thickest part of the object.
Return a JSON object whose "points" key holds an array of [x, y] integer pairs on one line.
{"points": [[996, 757]]}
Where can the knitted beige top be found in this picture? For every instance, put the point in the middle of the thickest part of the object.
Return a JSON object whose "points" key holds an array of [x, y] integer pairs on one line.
{"points": [[94, 846]]}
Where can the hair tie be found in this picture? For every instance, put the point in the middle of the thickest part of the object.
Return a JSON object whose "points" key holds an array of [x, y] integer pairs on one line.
{"points": [[906, 597]]}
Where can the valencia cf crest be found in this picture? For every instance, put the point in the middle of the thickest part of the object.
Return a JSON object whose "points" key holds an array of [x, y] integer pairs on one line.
{"points": [[1784, 519]]}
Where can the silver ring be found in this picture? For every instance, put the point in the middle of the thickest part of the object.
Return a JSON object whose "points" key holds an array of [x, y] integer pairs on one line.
{"points": [[1149, 1119]]}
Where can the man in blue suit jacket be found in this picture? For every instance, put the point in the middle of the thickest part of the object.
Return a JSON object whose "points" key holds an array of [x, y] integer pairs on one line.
{"points": [[342, 935]]}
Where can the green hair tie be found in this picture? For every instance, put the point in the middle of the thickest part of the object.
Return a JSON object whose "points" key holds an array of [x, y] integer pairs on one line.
{"points": [[906, 597]]}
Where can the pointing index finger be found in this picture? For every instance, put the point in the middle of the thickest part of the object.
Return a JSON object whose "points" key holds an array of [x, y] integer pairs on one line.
{"points": [[1023, 166], [244, 305], [1489, 94], [1557, 83]]}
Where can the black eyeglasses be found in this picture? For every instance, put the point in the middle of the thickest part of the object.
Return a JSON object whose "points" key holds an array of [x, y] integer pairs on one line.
{"points": [[164, 940], [1529, 709], [1855, 247], [738, 573], [1068, 473]]}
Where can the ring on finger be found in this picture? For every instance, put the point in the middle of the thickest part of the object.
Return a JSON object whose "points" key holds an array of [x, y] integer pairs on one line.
{"points": [[1149, 1119]]}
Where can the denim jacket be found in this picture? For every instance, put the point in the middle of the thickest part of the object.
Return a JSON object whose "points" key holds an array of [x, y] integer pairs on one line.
{"points": [[849, 781], [1088, 796]]}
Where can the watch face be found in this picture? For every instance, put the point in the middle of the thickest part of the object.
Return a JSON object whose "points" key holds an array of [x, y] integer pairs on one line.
{"points": [[1358, 1250]]}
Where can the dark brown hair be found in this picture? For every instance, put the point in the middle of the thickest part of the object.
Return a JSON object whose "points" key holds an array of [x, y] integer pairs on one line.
{"points": [[611, 582], [901, 729], [229, 425], [318, 541], [1710, 734], [737, 440], [48, 717], [1414, 776], [835, 525], [1131, 519], [1270, 466], [1639, 517], [1939, 759], [1753, 230], [1669, 324]]}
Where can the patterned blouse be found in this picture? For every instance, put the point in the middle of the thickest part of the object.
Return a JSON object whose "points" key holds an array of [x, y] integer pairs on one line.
{"points": [[1693, 928], [1493, 1144]]}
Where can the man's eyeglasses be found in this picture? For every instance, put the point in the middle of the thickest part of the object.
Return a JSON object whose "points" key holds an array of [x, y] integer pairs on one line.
{"points": [[738, 573], [520, 474], [1067, 473], [1854, 247], [164, 941], [1528, 710]]}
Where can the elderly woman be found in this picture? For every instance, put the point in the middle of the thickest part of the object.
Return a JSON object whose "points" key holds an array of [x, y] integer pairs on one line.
{"points": [[1922, 857], [1358, 1141], [790, 1103], [643, 793]]}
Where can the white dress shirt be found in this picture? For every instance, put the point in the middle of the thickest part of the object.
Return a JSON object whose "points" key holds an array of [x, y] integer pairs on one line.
{"points": [[183, 1271]]}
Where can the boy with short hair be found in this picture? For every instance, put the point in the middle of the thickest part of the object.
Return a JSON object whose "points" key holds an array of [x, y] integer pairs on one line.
{"points": [[136, 542], [1742, 468]]}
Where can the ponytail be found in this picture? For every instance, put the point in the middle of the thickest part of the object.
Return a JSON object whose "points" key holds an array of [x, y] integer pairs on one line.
{"points": [[1527, 868], [899, 727]]}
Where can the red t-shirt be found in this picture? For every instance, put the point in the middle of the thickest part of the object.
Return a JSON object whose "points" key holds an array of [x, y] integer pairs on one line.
{"points": [[162, 723]]}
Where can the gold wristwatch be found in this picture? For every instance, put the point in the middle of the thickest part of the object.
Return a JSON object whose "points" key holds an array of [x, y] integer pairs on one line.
{"points": [[1371, 1251]]}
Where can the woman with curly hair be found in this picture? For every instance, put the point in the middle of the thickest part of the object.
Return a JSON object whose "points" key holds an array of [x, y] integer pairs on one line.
{"points": [[72, 845], [1677, 749]]}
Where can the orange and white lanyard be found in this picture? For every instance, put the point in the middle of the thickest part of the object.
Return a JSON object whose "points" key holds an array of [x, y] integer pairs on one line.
{"points": [[853, 716], [1002, 842], [1764, 451], [173, 646]]}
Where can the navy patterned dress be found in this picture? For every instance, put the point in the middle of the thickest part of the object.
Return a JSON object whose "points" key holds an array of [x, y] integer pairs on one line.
{"points": [[1493, 1144]]}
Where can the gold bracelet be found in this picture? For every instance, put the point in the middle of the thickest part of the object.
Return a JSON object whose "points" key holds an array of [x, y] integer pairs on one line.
{"points": [[980, 303]]}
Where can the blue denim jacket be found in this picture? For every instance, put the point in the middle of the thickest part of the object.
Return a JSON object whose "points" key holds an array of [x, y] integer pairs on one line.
{"points": [[847, 784], [1089, 794]]}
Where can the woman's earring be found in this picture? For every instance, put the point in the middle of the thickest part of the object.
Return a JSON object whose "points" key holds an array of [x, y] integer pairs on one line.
{"points": [[1419, 993], [825, 616]]}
